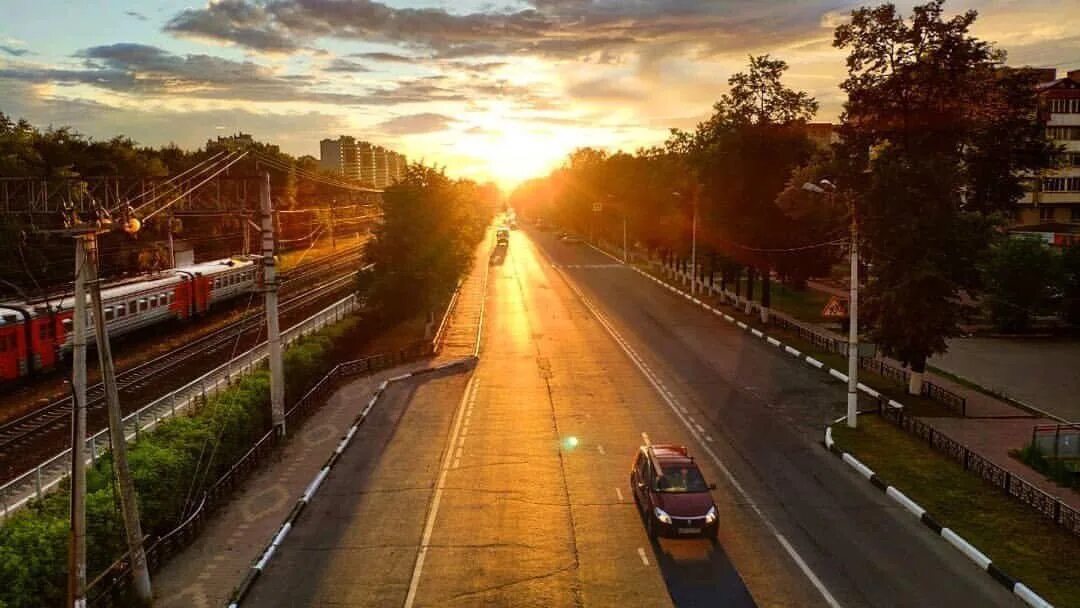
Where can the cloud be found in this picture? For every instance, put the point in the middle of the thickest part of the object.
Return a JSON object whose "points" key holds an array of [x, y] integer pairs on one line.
{"points": [[346, 66], [136, 15], [416, 123], [14, 51], [297, 132], [385, 57], [143, 70], [551, 28]]}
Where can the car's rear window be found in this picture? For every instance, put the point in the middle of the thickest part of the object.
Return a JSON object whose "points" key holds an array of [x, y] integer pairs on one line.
{"points": [[681, 479]]}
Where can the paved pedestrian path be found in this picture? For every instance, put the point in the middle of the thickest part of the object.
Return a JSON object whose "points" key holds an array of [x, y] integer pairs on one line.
{"points": [[205, 574]]}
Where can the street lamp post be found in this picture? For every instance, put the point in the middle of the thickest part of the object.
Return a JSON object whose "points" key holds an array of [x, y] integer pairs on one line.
{"points": [[829, 189]]}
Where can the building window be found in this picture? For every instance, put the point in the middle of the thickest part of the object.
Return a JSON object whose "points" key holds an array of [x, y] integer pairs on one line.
{"points": [[1046, 214], [1061, 184], [1065, 106], [1075, 215], [1063, 133]]}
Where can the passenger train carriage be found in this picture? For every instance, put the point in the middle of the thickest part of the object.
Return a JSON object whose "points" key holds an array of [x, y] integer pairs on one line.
{"points": [[34, 336]]}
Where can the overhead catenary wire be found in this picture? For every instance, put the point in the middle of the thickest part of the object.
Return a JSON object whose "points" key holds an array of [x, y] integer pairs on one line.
{"points": [[170, 180], [284, 166], [194, 188]]}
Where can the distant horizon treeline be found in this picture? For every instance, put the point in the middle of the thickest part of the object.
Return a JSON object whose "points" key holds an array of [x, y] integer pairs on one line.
{"points": [[32, 262]]}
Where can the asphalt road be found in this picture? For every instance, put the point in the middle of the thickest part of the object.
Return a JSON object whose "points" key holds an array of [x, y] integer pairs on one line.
{"points": [[509, 487]]}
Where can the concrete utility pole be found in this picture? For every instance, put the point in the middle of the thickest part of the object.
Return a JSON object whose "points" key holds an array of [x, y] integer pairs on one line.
{"points": [[829, 189], [77, 532], [129, 505], [333, 239], [273, 331], [853, 328], [625, 259]]}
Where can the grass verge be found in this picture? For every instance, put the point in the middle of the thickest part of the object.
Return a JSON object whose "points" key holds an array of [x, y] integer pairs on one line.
{"points": [[1024, 544]]}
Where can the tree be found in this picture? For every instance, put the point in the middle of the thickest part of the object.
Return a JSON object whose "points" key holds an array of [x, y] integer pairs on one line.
{"points": [[743, 157], [1020, 275], [431, 226], [936, 138]]}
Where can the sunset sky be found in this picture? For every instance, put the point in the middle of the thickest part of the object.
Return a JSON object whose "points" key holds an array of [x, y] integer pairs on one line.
{"points": [[491, 89]]}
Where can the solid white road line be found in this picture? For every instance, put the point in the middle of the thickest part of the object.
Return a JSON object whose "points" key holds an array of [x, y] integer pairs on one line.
{"points": [[433, 512], [641, 554], [673, 404]]}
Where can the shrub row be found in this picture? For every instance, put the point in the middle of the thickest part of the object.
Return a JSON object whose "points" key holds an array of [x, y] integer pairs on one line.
{"points": [[171, 465]]}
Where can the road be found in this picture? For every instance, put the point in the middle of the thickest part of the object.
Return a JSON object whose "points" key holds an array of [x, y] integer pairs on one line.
{"points": [[510, 488]]}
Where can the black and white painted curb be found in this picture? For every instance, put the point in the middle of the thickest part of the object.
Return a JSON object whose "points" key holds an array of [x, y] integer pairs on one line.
{"points": [[264, 558], [981, 560], [984, 562], [757, 333], [313, 487]]}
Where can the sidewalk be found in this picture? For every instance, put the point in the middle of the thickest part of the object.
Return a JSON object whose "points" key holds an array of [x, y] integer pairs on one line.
{"points": [[991, 428], [205, 574]]}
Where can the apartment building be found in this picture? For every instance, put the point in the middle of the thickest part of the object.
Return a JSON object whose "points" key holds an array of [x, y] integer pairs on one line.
{"points": [[362, 161], [1051, 209]]}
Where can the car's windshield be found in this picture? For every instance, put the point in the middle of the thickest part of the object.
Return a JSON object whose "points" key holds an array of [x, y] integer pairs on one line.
{"points": [[681, 479]]}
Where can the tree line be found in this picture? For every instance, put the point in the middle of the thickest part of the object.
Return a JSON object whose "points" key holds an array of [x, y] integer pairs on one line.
{"points": [[34, 261], [935, 140]]}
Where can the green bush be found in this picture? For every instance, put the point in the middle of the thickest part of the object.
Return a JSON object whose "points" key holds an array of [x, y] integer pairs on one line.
{"points": [[171, 465]]}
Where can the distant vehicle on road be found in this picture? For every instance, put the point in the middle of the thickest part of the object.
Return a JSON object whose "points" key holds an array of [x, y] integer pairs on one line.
{"points": [[569, 237], [502, 237], [672, 494]]}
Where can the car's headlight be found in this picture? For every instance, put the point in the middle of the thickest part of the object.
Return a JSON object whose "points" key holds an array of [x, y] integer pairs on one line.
{"points": [[662, 515], [710, 517]]}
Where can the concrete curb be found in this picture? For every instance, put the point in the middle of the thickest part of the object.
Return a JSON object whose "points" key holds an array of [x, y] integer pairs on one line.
{"points": [[290, 520], [970, 551]]}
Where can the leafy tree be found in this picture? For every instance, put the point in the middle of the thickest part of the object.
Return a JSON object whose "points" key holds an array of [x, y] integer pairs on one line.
{"points": [[431, 226], [743, 157], [946, 136], [1020, 276]]}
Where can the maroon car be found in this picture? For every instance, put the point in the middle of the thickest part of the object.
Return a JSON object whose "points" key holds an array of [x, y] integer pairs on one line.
{"points": [[672, 494]]}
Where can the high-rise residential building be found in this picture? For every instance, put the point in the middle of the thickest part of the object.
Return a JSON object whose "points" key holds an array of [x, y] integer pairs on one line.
{"points": [[361, 161], [366, 154], [382, 168], [340, 156], [1051, 208]]}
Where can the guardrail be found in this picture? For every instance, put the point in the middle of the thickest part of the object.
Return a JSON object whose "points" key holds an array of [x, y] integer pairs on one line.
{"points": [[46, 477], [1049, 506], [109, 587]]}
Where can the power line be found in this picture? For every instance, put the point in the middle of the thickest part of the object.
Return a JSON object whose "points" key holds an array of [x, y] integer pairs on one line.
{"points": [[171, 179], [196, 187]]}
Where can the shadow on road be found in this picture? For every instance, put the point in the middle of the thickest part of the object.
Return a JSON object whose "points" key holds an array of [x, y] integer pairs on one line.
{"points": [[698, 573]]}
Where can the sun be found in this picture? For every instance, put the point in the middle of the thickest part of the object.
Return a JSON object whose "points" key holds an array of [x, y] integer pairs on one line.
{"points": [[512, 151]]}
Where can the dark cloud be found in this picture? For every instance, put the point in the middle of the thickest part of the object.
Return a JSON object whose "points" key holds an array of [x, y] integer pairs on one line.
{"points": [[147, 70], [136, 15], [416, 123], [386, 57], [553, 28], [346, 66], [14, 51]]}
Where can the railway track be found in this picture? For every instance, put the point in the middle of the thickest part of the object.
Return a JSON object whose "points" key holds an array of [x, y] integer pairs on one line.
{"points": [[133, 381]]}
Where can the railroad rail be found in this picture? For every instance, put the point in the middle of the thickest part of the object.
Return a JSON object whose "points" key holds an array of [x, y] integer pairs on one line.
{"points": [[47, 475], [14, 432]]}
